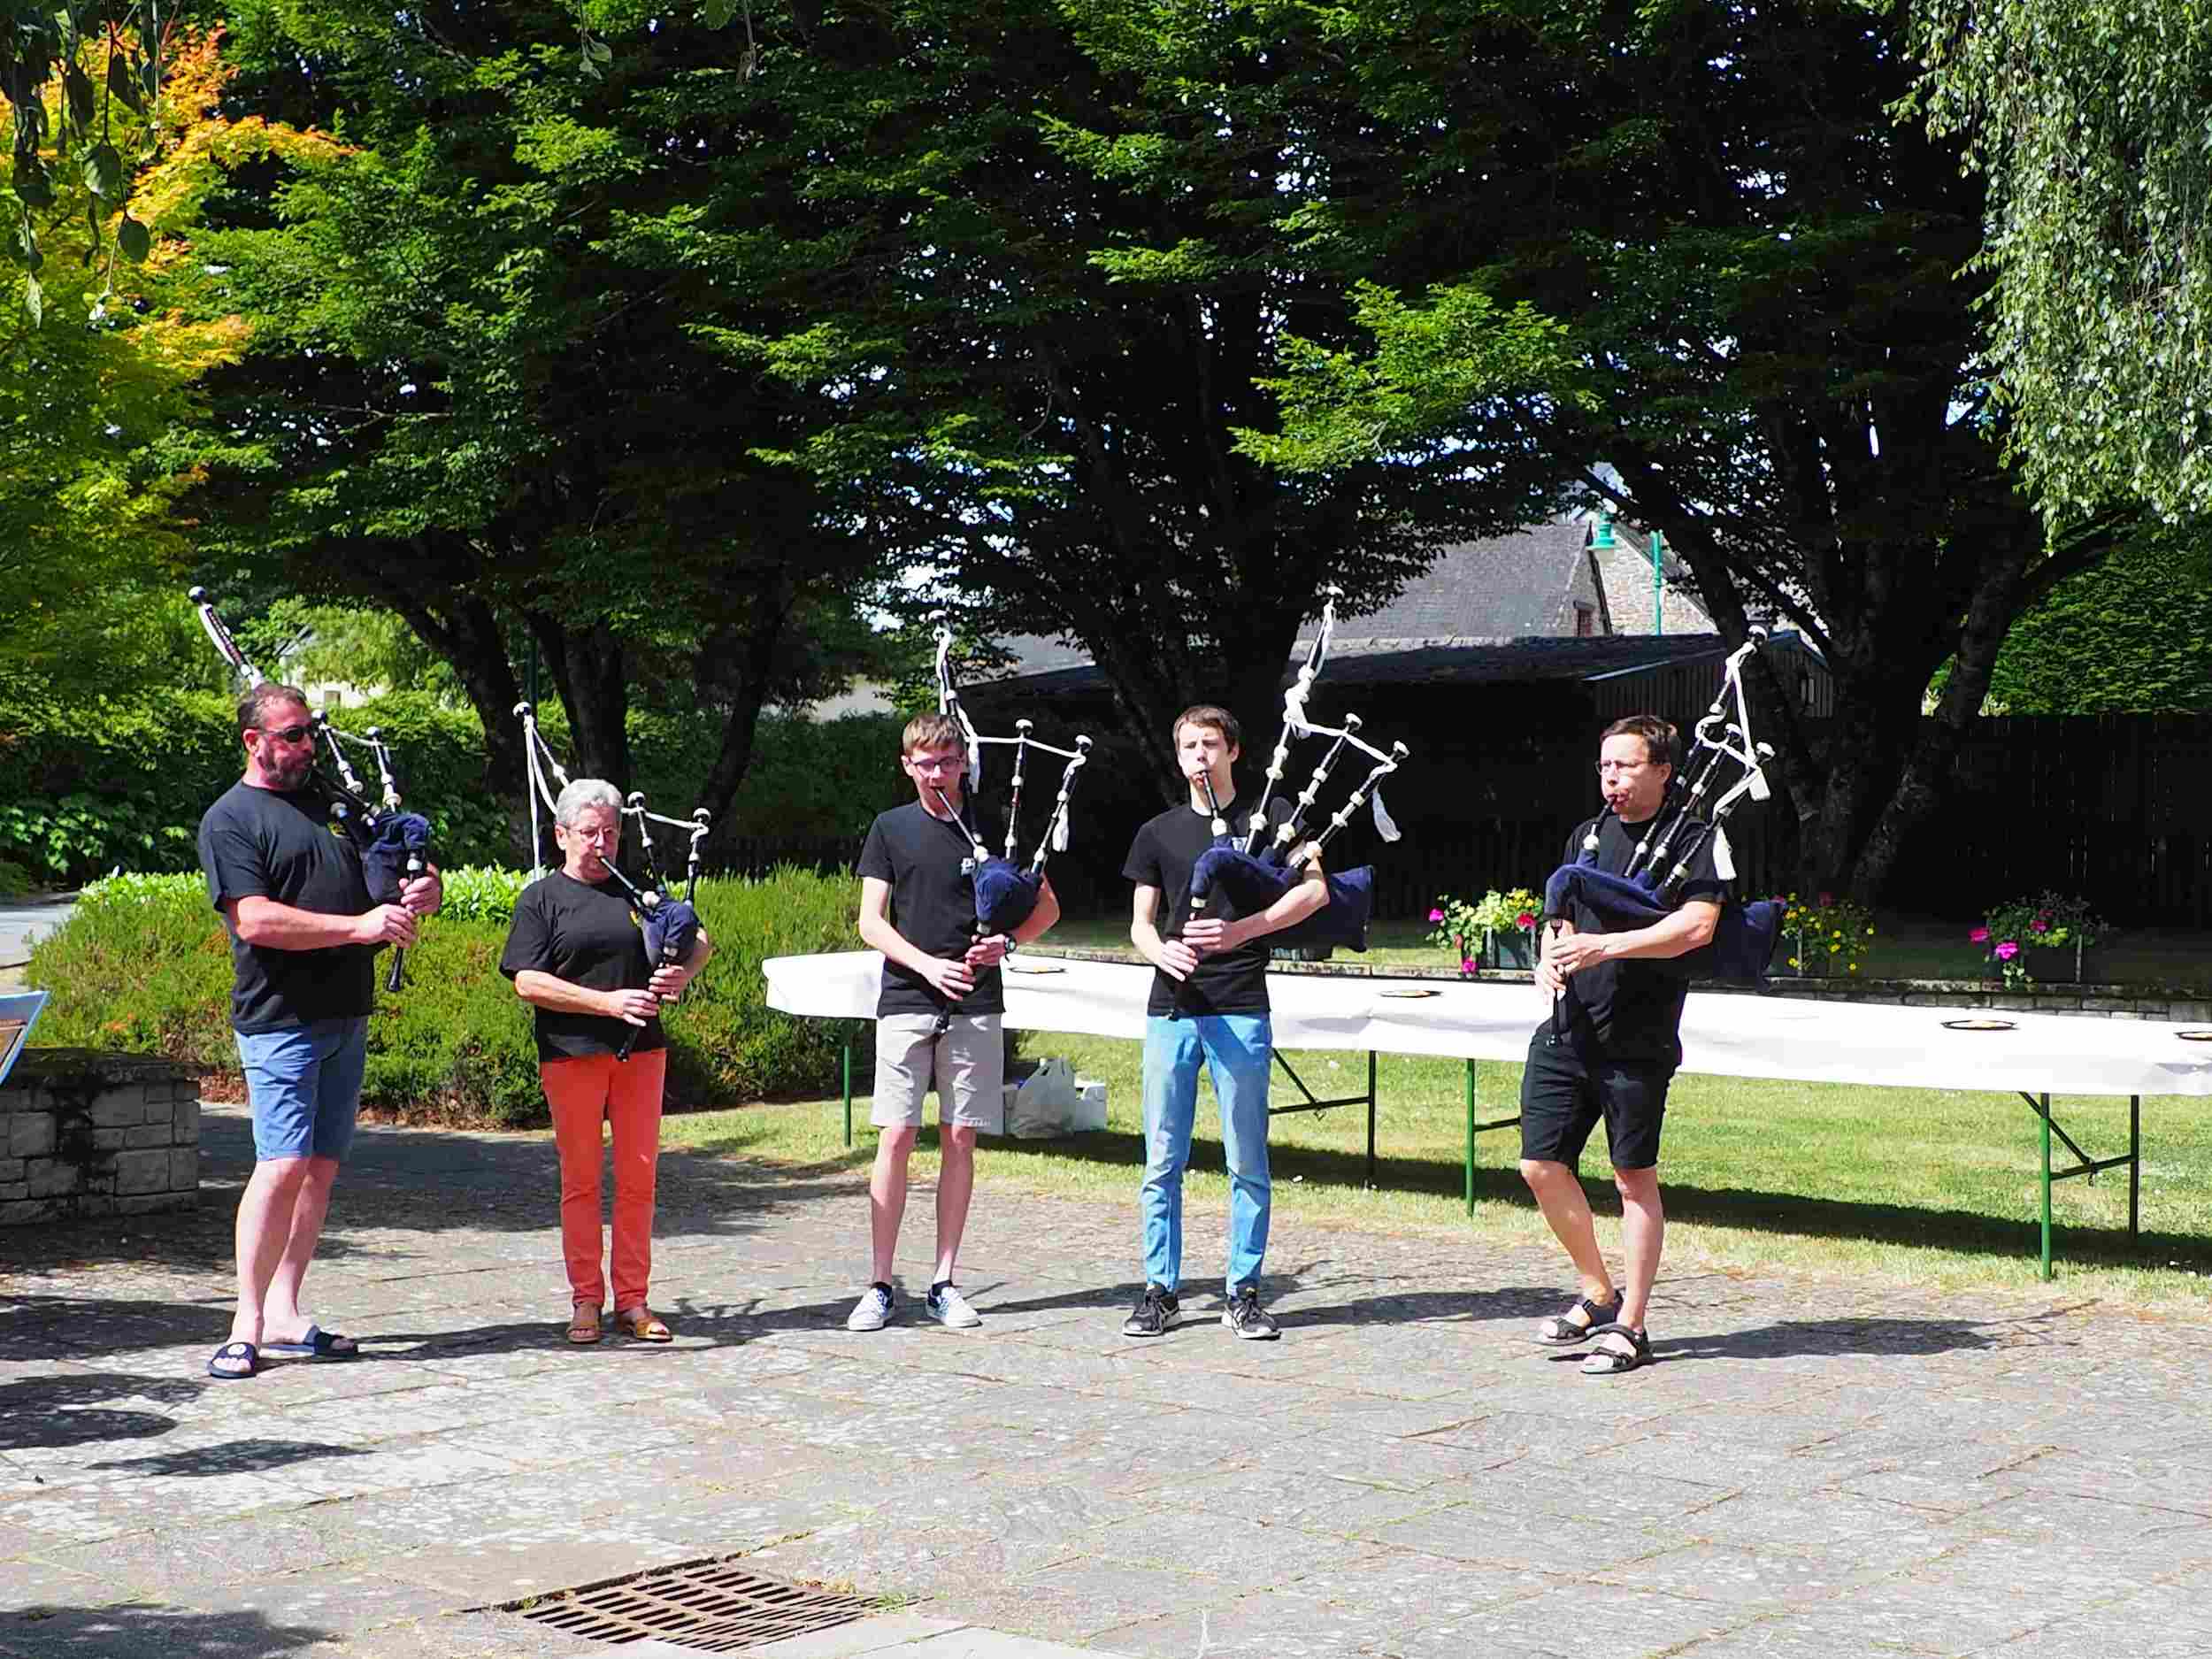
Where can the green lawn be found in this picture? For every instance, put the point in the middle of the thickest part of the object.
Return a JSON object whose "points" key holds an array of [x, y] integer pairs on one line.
{"points": [[1919, 1187]]}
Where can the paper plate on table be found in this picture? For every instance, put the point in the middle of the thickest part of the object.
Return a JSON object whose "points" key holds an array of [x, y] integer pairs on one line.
{"points": [[1032, 967], [1422, 990], [2194, 1036], [1978, 1025]]}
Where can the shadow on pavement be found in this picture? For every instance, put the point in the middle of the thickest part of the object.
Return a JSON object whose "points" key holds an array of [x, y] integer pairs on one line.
{"points": [[131, 1631], [71, 1409], [234, 1457], [425, 1182]]}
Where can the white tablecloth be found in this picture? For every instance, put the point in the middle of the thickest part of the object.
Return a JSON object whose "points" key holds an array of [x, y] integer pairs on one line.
{"points": [[1722, 1034]]}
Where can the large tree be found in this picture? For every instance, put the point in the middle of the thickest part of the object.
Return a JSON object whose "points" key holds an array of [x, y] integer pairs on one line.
{"points": [[2086, 119], [1041, 260], [478, 398], [1780, 359]]}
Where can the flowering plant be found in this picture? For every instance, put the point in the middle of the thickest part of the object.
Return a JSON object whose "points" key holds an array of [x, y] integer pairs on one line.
{"points": [[1826, 935], [1462, 927], [2050, 921]]}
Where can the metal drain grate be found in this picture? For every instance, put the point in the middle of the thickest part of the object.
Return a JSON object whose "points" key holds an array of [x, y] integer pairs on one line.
{"points": [[715, 1608]]}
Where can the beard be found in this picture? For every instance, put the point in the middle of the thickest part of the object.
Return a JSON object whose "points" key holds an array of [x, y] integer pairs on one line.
{"points": [[288, 773]]}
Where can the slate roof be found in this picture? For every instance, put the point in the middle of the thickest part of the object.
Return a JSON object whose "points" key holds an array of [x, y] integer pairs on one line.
{"points": [[1505, 588], [1449, 660]]}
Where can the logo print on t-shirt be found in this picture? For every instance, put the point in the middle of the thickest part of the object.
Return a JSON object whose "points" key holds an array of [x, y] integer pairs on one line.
{"points": [[967, 866]]}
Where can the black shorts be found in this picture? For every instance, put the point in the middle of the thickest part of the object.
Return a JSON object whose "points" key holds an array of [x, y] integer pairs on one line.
{"points": [[1564, 1095]]}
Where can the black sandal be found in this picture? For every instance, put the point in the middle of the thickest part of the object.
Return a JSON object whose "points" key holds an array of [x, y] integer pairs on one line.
{"points": [[236, 1352], [1610, 1361], [1561, 1331]]}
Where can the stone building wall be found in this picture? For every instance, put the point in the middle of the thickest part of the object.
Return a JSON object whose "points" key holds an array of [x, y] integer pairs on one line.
{"points": [[96, 1134]]}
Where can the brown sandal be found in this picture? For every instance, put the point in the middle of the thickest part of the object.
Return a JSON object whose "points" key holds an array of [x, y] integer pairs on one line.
{"points": [[583, 1324], [639, 1325]]}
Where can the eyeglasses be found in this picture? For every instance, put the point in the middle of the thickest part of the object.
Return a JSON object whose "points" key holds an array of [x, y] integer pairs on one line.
{"points": [[285, 733], [1613, 768]]}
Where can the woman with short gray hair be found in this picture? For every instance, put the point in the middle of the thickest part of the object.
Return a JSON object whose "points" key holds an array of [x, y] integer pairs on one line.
{"points": [[576, 955]]}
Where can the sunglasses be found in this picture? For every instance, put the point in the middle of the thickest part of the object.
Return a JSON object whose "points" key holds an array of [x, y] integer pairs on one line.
{"points": [[285, 733]]}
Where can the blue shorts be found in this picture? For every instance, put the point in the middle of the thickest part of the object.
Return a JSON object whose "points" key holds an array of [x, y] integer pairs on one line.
{"points": [[305, 1084]]}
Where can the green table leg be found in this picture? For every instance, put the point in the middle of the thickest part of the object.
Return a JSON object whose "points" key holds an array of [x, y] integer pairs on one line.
{"points": [[1471, 1137], [2045, 1271], [848, 1092]]}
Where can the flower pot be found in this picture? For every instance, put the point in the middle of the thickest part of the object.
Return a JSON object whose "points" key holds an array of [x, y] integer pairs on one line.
{"points": [[1508, 947], [2066, 965]]}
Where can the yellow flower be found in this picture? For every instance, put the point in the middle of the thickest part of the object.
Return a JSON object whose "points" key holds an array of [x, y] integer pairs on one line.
{"points": [[1854, 967], [1793, 962], [1832, 950], [1870, 933]]}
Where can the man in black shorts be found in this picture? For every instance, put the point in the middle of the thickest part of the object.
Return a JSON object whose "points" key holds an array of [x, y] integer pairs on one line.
{"points": [[1609, 1051]]}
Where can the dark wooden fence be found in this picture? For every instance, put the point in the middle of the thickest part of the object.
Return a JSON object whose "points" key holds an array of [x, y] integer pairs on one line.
{"points": [[2113, 808]]}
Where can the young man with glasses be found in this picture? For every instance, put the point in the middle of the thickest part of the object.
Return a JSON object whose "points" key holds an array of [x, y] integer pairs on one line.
{"points": [[937, 1014], [304, 941], [1610, 1050]]}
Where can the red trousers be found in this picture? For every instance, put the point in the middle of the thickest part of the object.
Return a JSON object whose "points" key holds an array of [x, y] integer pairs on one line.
{"points": [[584, 1093]]}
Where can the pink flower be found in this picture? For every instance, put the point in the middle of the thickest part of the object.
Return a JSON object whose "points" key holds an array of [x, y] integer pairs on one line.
{"points": [[1436, 916], [1524, 921], [1826, 899], [2007, 951], [1980, 936], [1467, 966], [2040, 925]]}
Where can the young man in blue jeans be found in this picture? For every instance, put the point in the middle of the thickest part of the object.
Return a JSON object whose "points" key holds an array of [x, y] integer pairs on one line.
{"points": [[1209, 1004], [304, 941]]}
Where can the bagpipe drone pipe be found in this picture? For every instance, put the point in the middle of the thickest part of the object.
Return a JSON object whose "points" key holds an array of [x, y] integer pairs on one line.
{"points": [[1267, 861], [671, 925], [1006, 891], [1649, 888], [393, 844]]}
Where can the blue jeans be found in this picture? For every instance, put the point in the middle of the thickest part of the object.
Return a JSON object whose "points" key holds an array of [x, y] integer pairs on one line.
{"points": [[1236, 1048], [304, 1085]]}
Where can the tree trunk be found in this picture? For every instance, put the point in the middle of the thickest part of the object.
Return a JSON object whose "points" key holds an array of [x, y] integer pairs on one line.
{"points": [[753, 653], [1926, 774], [467, 634], [586, 666]]}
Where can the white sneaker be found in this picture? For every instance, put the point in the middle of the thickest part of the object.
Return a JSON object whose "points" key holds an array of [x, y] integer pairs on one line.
{"points": [[949, 1307], [873, 1311]]}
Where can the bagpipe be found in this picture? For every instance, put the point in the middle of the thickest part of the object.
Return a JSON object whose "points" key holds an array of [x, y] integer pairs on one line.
{"points": [[671, 925], [1649, 888], [393, 844], [1005, 891], [1267, 861]]}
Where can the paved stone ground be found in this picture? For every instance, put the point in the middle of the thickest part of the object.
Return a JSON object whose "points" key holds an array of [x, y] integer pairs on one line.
{"points": [[1807, 1471]]}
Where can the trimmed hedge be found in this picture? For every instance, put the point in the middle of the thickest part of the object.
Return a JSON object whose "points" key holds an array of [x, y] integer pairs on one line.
{"points": [[143, 966], [124, 784]]}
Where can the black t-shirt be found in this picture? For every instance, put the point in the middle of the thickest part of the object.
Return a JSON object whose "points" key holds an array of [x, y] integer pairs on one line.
{"points": [[1630, 1009], [258, 843], [1165, 850], [584, 934], [929, 866]]}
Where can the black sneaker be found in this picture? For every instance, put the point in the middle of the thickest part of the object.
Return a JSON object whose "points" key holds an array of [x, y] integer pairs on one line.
{"points": [[1247, 1318], [1156, 1312]]}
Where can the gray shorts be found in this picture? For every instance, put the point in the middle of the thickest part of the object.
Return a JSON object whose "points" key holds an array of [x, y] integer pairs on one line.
{"points": [[968, 1064]]}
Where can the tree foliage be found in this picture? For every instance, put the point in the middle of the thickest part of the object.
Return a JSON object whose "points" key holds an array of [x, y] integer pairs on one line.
{"points": [[1776, 356], [2132, 637], [479, 398], [93, 486], [2086, 117], [1034, 278]]}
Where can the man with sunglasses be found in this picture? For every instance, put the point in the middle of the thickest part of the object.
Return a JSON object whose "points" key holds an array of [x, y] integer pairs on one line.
{"points": [[303, 941]]}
